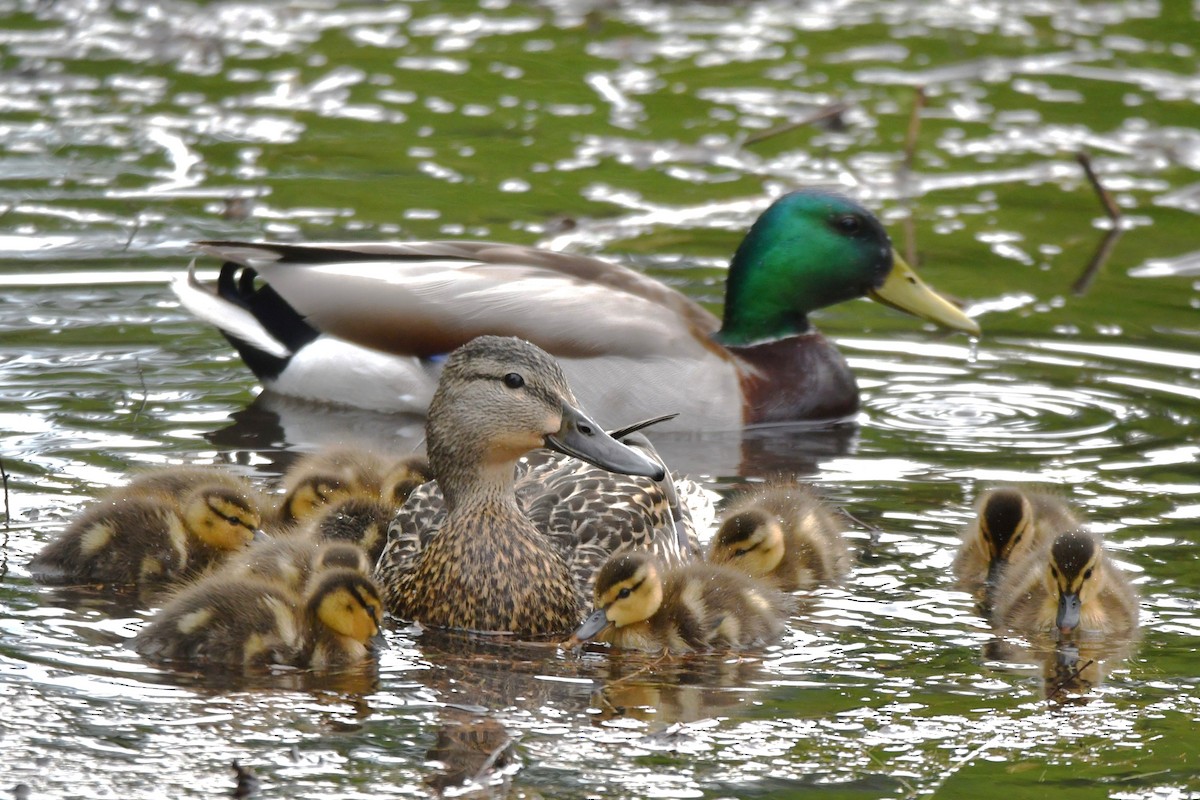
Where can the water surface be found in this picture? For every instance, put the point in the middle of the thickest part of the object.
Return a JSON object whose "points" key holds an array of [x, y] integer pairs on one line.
{"points": [[653, 133]]}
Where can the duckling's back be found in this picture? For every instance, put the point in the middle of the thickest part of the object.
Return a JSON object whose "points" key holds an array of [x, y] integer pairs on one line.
{"points": [[233, 621]]}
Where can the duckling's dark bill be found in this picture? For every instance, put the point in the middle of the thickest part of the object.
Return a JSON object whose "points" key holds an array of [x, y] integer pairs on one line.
{"points": [[904, 291], [1069, 607], [582, 438], [592, 627]]}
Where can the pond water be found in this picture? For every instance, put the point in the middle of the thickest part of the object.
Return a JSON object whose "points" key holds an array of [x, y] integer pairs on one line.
{"points": [[652, 133]]}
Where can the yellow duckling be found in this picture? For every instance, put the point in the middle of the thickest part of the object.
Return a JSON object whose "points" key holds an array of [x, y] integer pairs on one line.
{"points": [[692, 607], [1011, 524], [344, 614], [1070, 586], [252, 622], [161, 526], [292, 561], [340, 472], [783, 534]]}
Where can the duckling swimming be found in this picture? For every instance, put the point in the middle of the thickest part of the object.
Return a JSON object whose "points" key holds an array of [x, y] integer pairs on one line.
{"points": [[362, 521], [1070, 586], [161, 526], [486, 566], [783, 534], [697, 606], [340, 472], [1011, 525], [343, 614], [292, 561], [253, 622]]}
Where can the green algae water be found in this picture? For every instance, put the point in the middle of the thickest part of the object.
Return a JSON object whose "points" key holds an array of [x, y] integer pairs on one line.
{"points": [[652, 133]]}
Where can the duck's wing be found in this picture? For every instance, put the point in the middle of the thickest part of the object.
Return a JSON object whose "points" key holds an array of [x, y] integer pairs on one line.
{"points": [[426, 298], [417, 521]]}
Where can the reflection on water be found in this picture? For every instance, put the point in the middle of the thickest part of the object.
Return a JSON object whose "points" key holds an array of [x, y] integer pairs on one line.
{"points": [[654, 133]]}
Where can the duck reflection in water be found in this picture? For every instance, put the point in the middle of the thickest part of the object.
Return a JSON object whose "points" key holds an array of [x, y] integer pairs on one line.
{"points": [[1069, 671]]}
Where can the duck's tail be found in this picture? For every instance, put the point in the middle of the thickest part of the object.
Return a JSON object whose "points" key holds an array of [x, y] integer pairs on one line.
{"points": [[260, 324]]}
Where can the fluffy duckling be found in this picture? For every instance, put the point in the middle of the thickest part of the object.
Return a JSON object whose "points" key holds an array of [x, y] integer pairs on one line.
{"points": [[344, 614], [783, 534], [292, 561], [692, 607], [362, 521], [161, 526], [252, 622], [339, 472], [1011, 524], [1071, 586], [235, 620]]}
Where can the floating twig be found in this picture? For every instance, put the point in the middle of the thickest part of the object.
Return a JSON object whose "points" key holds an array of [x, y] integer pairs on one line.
{"points": [[4, 478], [1106, 199], [145, 392], [247, 781], [137, 226], [1099, 259], [1061, 686], [828, 112], [911, 136]]}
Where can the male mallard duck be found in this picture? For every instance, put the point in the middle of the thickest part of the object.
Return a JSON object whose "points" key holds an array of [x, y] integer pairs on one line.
{"points": [[695, 606], [1069, 586], [479, 562], [336, 473], [783, 534], [160, 526], [364, 324], [247, 621], [1011, 524]]}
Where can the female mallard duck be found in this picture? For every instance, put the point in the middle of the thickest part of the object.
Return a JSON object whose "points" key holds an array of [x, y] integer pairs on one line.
{"points": [[336, 473], [1069, 586], [696, 606], [364, 325], [475, 559], [162, 525], [1011, 524], [246, 621], [782, 533]]}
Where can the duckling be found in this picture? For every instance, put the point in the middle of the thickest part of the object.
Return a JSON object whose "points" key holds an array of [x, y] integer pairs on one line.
{"points": [[342, 471], [344, 613], [480, 557], [362, 521], [783, 534], [1012, 524], [293, 561], [161, 526], [252, 622], [1069, 586], [234, 620], [697, 606]]}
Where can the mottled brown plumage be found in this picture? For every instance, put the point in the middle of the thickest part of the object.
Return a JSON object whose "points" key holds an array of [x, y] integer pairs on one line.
{"points": [[481, 563]]}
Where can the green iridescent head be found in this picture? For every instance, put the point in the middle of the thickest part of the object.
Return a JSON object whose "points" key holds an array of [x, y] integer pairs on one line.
{"points": [[813, 249]]}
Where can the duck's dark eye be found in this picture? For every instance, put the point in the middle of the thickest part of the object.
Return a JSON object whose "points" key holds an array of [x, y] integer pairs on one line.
{"points": [[514, 380], [621, 595], [1087, 573], [848, 224]]}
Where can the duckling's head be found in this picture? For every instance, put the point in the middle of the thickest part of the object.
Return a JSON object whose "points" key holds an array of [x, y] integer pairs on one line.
{"points": [[628, 590], [341, 555], [1006, 527], [750, 541], [500, 397], [362, 521], [221, 517], [347, 602], [312, 493], [1072, 575], [405, 476]]}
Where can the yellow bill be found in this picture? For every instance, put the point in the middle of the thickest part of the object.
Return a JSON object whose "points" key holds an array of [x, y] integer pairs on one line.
{"points": [[904, 291]]}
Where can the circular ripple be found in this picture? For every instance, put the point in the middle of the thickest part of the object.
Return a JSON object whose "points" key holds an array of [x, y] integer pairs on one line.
{"points": [[983, 416]]}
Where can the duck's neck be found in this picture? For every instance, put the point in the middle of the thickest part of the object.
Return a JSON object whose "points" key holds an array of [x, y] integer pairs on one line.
{"points": [[470, 483]]}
